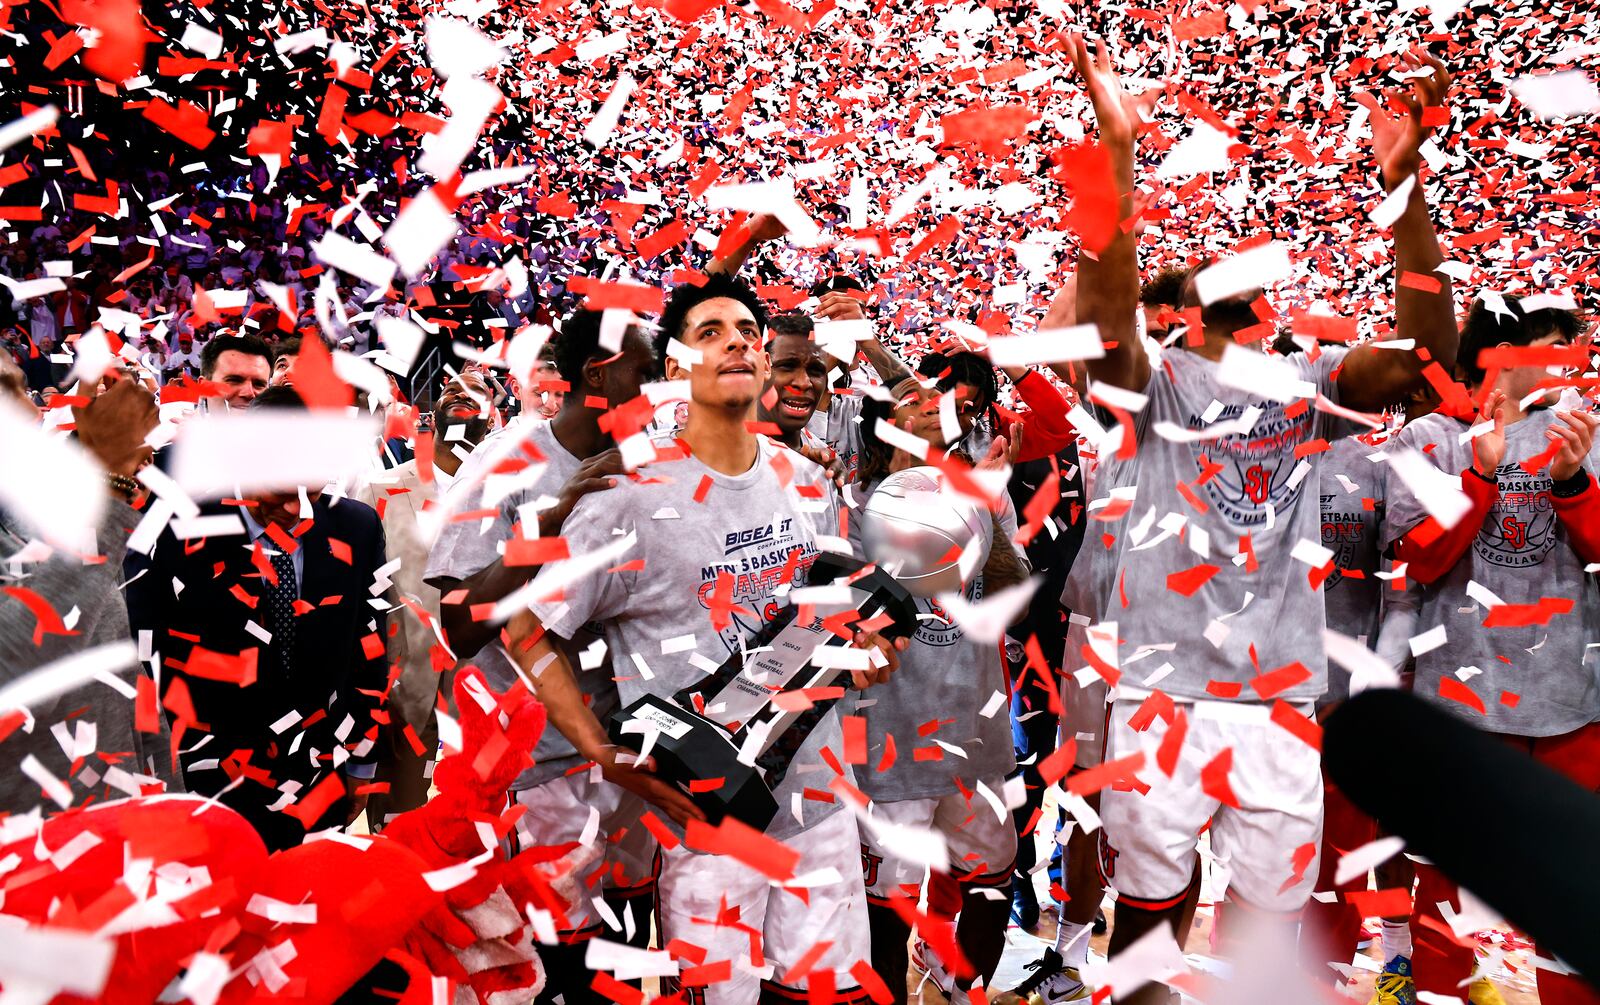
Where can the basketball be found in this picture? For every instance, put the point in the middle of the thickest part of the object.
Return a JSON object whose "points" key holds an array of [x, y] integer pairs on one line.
{"points": [[915, 527]]}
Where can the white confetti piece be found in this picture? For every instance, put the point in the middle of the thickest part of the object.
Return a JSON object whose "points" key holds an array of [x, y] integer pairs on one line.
{"points": [[1048, 345], [63, 508], [604, 123], [421, 231], [1428, 641], [987, 620], [1394, 204], [1203, 151], [456, 48], [1360, 861], [1255, 269], [339, 252], [36, 121], [1367, 669], [52, 960], [1257, 373], [1557, 95], [1439, 493], [219, 455]]}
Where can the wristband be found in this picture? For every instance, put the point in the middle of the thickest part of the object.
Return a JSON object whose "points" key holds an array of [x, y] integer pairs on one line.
{"points": [[1577, 485]]}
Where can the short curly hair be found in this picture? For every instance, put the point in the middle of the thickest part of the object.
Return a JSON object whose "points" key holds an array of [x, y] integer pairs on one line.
{"points": [[1485, 328], [1164, 289], [578, 342], [687, 297]]}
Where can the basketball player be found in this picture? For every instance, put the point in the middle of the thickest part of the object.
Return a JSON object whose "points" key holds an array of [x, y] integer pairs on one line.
{"points": [[716, 532], [474, 562], [1532, 529], [938, 734], [1210, 604]]}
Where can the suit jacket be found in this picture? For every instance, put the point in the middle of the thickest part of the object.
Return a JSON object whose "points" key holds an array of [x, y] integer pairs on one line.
{"points": [[338, 668]]}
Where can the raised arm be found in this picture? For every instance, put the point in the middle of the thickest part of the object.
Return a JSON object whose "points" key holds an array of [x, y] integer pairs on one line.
{"points": [[838, 305], [1063, 313], [1372, 378], [1108, 278], [757, 230]]}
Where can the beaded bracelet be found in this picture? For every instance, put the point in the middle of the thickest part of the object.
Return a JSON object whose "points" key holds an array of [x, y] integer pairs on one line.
{"points": [[123, 486]]}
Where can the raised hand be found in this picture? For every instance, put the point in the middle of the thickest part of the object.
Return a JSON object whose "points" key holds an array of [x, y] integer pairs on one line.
{"points": [[1115, 110], [1003, 450], [1575, 433], [1397, 139], [1489, 449], [764, 227], [113, 425], [837, 305]]}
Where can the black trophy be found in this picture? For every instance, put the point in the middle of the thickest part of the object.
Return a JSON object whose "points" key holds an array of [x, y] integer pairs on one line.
{"points": [[735, 707]]}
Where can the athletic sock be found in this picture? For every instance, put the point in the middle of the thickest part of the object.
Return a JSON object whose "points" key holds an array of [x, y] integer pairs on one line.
{"points": [[1072, 942], [1396, 940]]}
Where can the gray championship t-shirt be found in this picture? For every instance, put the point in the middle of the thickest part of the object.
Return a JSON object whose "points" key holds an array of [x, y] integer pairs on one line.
{"points": [[1354, 487], [840, 426], [695, 561], [933, 706], [1210, 620], [1533, 680], [466, 547]]}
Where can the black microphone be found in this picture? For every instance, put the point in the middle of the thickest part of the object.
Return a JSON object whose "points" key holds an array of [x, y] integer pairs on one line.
{"points": [[1523, 838]]}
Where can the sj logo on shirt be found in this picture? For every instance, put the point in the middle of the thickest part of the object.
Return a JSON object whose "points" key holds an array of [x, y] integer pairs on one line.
{"points": [[1257, 468], [1520, 531]]}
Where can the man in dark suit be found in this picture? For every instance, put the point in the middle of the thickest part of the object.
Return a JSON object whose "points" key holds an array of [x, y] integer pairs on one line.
{"points": [[272, 658]]}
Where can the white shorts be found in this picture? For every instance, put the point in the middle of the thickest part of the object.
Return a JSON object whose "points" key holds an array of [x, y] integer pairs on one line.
{"points": [[1083, 709], [983, 847], [585, 808], [1148, 848], [765, 931]]}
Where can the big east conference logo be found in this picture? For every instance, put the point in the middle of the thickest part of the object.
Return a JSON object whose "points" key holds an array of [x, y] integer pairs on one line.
{"points": [[755, 561], [1520, 530]]}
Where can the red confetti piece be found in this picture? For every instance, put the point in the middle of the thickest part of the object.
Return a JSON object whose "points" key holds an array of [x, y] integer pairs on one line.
{"points": [[311, 806], [1453, 690], [1205, 26], [1275, 682], [1303, 728], [1172, 743], [1214, 779], [1391, 903], [187, 121], [1108, 773], [46, 620], [855, 739], [521, 551], [232, 668], [740, 841], [1523, 615], [1190, 580]]}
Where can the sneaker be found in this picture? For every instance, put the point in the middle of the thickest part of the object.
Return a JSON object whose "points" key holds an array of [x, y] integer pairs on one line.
{"points": [[932, 967], [1481, 992], [1024, 902], [1052, 981], [1395, 985]]}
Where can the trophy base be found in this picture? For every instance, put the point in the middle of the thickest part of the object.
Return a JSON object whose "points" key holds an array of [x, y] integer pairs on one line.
{"points": [[693, 749]]}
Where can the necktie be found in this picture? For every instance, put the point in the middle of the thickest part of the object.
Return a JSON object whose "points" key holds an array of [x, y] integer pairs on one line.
{"points": [[280, 609]]}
